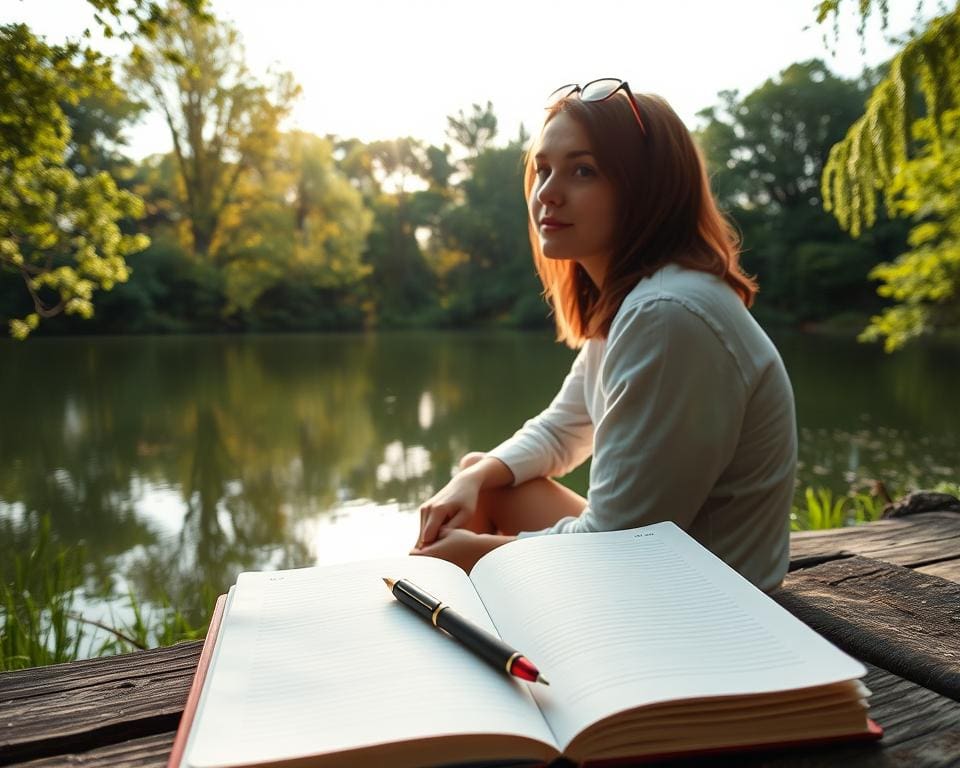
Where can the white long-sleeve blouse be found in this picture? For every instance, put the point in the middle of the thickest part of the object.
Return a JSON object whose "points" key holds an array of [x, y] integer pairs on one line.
{"points": [[688, 413]]}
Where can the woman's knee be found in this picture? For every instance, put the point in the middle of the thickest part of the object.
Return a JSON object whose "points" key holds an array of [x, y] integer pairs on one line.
{"points": [[530, 506]]}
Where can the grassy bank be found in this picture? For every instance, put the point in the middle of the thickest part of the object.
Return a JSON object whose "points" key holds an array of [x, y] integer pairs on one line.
{"points": [[40, 623]]}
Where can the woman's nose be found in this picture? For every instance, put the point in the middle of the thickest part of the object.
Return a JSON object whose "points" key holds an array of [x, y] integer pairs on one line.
{"points": [[549, 193]]}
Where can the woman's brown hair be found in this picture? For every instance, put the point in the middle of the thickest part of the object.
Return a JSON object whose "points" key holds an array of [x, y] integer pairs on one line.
{"points": [[667, 213]]}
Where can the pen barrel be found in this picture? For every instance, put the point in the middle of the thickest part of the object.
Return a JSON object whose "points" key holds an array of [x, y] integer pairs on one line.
{"points": [[413, 597], [488, 647]]}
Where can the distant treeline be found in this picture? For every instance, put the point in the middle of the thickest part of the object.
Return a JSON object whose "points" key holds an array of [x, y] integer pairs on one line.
{"points": [[256, 229]]}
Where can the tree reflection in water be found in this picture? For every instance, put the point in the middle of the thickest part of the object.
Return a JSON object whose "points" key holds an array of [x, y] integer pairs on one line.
{"points": [[181, 461]]}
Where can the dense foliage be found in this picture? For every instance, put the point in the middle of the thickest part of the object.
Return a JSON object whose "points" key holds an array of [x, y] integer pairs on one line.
{"points": [[252, 228], [768, 150], [59, 230], [904, 149]]}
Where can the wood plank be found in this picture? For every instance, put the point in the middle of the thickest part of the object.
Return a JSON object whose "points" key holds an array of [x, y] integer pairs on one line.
{"points": [[146, 752], [913, 717], [123, 710], [896, 618], [921, 730], [88, 704], [949, 570], [913, 541], [78, 675]]}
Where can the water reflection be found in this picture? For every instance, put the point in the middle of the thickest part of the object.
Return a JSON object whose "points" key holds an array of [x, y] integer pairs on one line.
{"points": [[865, 416], [181, 461]]}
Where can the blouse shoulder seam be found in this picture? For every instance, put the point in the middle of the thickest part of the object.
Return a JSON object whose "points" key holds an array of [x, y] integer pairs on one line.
{"points": [[637, 303]]}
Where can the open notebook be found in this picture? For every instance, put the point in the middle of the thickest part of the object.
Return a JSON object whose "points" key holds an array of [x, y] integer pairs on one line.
{"points": [[652, 645]]}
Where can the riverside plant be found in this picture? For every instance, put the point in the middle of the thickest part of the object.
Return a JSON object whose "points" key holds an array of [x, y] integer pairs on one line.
{"points": [[38, 624], [823, 509], [36, 628]]}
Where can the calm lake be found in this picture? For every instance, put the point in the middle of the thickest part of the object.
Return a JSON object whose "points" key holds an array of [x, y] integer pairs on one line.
{"points": [[180, 461]]}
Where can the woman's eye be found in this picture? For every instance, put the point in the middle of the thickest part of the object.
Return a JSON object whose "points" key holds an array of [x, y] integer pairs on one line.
{"points": [[584, 171], [542, 171]]}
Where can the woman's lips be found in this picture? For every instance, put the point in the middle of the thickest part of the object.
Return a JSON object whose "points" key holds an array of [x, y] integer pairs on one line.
{"points": [[552, 225]]}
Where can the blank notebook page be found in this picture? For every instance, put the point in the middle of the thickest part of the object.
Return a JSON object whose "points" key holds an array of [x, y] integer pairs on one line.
{"points": [[325, 659], [619, 619]]}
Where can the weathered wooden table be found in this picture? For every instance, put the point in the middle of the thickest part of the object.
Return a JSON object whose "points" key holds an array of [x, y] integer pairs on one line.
{"points": [[887, 592]]}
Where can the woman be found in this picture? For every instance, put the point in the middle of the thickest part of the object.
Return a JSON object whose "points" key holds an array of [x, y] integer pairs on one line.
{"points": [[677, 393]]}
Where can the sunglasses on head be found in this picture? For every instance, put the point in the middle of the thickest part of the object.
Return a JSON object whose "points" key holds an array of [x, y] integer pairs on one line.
{"points": [[598, 90]]}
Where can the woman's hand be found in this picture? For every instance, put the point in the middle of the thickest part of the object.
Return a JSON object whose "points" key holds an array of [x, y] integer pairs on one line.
{"points": [[450, 508], [462, 547], [455, 504]]}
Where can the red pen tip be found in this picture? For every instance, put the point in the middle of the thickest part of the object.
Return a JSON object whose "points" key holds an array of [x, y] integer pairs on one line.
{"points": [[525, 669]]}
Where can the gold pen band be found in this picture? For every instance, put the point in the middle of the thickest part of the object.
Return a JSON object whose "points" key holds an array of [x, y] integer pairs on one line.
{"points": [[512, 659], [436, 612]]}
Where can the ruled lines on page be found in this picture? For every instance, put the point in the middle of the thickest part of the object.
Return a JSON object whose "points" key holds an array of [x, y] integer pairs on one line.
{"points": [[621, 619], [325, 659]]}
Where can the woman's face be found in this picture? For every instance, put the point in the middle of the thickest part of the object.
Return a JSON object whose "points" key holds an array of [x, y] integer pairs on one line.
{"points": [[572, 204]]}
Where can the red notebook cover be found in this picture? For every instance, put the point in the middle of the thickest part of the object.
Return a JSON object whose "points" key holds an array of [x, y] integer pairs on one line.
{"points": [[190, 708]]}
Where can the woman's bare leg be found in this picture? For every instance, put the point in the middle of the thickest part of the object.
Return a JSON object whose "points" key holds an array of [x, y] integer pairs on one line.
{"points": [[529, 506]]}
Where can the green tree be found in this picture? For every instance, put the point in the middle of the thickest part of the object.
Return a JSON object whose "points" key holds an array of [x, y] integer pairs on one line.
{"points": [[766, 152], [401, 282], [401, 285], [223, 122], [925, 280], [97, 124], [146, 16], [474, 132], [439, 168], [483, 252], [770, 146], [907, 157], [396, 162], [58, 232], [170, 290], [305, 226]]}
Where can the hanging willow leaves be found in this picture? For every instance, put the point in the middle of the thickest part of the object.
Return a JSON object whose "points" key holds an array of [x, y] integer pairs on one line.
{"points": [[865, 163], [925, 281], [904, 151]]}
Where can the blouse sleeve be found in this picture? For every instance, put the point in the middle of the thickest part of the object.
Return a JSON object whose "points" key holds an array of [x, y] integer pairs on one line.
{"points": [[556, 441], [674, 399]]}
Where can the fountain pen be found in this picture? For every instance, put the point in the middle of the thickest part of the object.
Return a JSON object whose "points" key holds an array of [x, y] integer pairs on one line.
{"points": [[488, 647]]}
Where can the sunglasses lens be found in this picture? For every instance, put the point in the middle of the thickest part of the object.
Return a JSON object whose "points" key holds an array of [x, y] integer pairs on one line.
{"points": [[561, 93], [598, 90]]}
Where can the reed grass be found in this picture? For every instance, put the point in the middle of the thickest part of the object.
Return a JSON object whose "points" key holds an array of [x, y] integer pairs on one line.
{"points": [[37, 598], [38, 623], [823, 509], [39, 626], [952, 488]]}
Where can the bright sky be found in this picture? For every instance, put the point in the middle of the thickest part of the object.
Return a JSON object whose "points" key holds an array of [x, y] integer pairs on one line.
{"points": [[378, 69]]}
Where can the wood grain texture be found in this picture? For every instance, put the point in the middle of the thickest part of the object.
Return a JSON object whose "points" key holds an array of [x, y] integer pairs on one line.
{"points": [[900, 620], [146, 752], [88, 704], [122, 711], [921, 730], [949, 570], [930, 537]]}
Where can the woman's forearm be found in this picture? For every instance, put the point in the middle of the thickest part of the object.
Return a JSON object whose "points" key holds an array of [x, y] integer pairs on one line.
{"points": [[489, 473]]}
